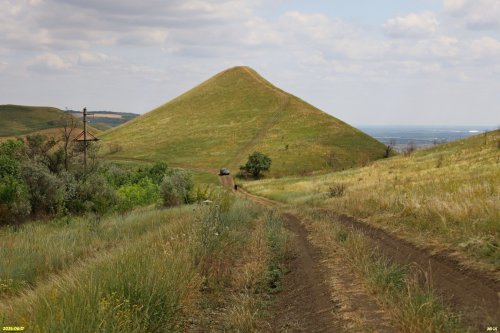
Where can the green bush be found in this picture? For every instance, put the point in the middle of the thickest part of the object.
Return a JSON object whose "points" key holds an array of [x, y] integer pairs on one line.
{"points": [[144, 193], [14, 203], [176, 188], [157, 172], [45, 190], [96, 195], [116, 176]]}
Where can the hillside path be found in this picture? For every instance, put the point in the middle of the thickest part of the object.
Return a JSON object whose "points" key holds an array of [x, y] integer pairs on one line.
{"points": [[471, 294], [313, 286]]}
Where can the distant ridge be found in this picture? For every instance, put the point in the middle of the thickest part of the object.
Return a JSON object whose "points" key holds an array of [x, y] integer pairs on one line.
{"points": [[224, 119], [20, 120], [104, 120]]}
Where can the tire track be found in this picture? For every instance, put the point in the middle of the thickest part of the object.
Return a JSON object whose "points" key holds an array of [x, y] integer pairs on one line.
{"points": [[470, 293]]}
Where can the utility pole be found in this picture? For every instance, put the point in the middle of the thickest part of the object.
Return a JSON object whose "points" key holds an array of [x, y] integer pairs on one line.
{"points": [[85, 140]]}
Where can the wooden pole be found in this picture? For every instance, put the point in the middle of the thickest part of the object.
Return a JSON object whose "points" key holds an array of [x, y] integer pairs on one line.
{"points": [[85, 140]]}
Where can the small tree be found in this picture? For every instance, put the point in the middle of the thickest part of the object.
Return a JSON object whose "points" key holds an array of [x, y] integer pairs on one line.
{"points": [[69, 126], [389, 148], [257, 163]]}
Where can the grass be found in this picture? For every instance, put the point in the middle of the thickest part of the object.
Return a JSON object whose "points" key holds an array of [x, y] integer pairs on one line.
{"points": [[445, 197], [153, 271], [20, 120], [228, 117], [31, 252], [412, 306]]}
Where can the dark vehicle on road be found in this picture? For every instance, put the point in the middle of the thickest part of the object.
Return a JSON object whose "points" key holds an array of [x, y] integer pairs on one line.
{"points": [[224, 172]]}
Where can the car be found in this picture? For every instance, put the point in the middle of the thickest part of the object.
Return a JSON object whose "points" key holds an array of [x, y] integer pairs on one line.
{"points": [[224, 172]]}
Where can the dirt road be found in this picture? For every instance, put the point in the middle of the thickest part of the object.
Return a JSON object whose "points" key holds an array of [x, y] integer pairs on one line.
{"points": [[473, 296], [305, 304]]}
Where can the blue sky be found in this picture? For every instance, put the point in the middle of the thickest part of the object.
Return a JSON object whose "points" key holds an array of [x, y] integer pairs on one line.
{"points": [[425, 62]]}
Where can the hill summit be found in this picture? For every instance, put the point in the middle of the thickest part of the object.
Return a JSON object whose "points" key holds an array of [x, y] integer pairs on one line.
{"points": [[224, 119]]}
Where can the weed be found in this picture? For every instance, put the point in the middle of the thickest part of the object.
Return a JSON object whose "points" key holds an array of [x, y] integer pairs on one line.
{"points": [[336, 190]]}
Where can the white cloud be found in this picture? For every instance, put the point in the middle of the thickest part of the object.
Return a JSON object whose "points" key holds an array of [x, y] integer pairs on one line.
{"points": [[159, 48], [475, 14], [316, 26], [485, 47], [412, 25], [87, 58], [49, 63]]}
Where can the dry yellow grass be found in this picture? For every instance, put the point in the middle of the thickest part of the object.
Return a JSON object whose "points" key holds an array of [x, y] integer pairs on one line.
{"points": [[445, 197]]}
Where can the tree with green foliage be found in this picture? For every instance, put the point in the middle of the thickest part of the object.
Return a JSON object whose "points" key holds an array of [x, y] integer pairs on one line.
{"points": [[257, 163], [176, 188], [14, 202]]}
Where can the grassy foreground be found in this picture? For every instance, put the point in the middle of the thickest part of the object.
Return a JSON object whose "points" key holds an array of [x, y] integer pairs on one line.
{"points": [[154, 271], [446, 197]]}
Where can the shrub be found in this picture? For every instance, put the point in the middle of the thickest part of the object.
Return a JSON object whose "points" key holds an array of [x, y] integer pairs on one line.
{"points": [[93, 194], [14, 202], [45, 190], [116, 175], [176, 188], [144, 193], [205, 193], [336, 190], [157, 171], [9, 167], [12, 148]]}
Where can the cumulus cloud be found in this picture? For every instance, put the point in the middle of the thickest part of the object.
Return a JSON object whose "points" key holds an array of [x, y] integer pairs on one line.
{"points": [[144, 44], [485, 47], [413, 25], [49, 63], [475, 14]]}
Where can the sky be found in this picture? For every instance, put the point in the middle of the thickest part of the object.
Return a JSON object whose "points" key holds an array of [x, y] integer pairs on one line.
{"points": [[370, 62]]}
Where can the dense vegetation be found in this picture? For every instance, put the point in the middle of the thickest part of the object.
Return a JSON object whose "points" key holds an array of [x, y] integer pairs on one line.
{"points": [[209, 268], [445, 197], [223, 120], [39, 178]]}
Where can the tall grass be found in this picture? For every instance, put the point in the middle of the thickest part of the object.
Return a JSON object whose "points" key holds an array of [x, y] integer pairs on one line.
{"points": [[155, 275], [138, 287], [32, 251], [447, 196]]}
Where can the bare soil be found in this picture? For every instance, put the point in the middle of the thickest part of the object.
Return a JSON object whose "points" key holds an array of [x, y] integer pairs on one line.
{"points": [[305, 304], [472, 294]]}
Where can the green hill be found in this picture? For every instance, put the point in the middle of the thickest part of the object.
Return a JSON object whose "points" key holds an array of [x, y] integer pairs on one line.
{"points": [[19, 120], [224, 119]]}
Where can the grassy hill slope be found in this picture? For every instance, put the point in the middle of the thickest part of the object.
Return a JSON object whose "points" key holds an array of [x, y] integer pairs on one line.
{"points": [[19, 120], [226, 118], [445, 197]]}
